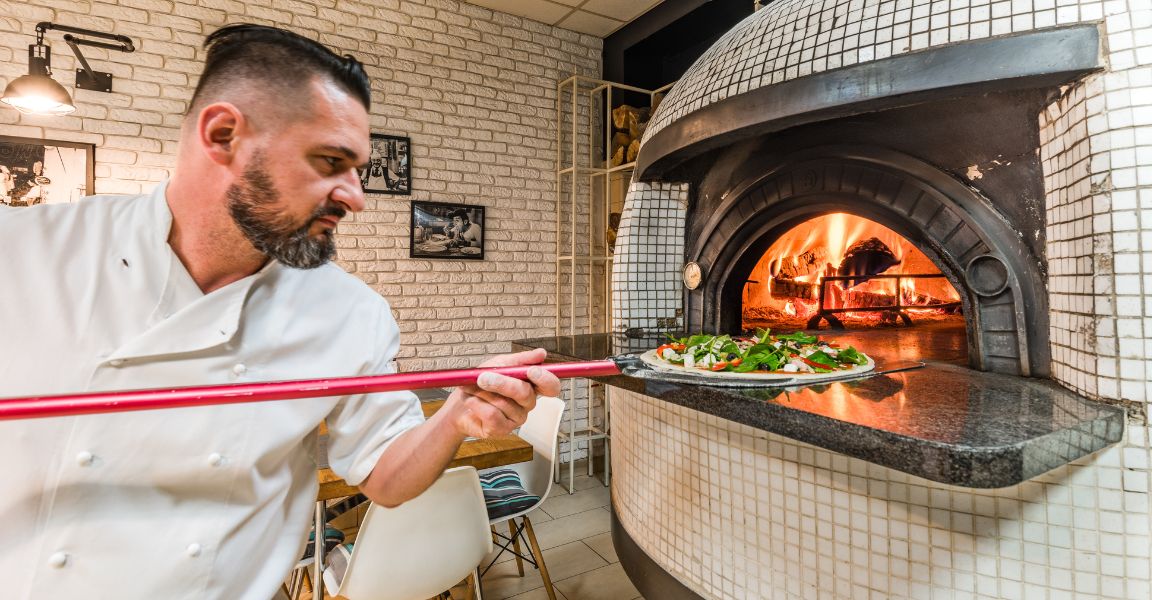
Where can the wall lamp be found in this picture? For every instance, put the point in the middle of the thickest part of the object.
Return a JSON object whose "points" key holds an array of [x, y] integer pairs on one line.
{"points": [[38, 94]]}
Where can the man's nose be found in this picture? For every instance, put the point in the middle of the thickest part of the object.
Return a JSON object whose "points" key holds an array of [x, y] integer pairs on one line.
{"points": [[348, 192]]}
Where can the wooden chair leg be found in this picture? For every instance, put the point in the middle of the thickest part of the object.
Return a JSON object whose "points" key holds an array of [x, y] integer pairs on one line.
{"points": [[305, 579], [516, 546], [477, 588], [539, 558]]}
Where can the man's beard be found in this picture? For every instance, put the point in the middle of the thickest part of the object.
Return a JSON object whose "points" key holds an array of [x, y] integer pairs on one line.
{"points": [[253, 203]]}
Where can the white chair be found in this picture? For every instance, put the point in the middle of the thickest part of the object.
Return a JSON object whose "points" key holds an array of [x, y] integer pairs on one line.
{"points": [[540, 430], [418, 549]]}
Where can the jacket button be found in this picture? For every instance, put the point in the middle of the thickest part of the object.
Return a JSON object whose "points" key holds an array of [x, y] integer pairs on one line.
{"points": [[215, 459], [193, 550], [58, 559], [85, 458], [239, 369]]}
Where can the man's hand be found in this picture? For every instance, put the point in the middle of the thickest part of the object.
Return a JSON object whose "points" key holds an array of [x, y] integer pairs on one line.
{"points": [[497, 404]]}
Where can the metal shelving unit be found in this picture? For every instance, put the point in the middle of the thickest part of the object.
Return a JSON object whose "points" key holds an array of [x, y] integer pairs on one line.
{"points": [[588, 192]]}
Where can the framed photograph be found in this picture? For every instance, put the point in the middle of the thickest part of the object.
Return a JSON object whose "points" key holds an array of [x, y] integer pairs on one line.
{"points": [[34, 171], [389, 168], [446, 230]]}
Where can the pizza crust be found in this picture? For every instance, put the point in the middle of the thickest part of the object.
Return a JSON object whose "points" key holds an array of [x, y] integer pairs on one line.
{"points": [[658, 364]]}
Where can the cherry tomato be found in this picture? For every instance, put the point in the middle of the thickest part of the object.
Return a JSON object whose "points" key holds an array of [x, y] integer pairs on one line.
{"points": [[720, 366]]}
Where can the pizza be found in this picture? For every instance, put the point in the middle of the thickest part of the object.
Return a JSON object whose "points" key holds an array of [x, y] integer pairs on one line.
{"points": [[797, 356]]}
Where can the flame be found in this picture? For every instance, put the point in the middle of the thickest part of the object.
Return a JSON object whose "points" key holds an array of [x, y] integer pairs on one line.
{"points": [[786, 279]]}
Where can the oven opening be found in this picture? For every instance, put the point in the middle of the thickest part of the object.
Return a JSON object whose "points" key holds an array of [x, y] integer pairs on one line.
{"points": [[846, 271]]}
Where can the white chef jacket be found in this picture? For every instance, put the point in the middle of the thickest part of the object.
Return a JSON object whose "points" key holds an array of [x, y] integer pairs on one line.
{"points": [[204, 502]]}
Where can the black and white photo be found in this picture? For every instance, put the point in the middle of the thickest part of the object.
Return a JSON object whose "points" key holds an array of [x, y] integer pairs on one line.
{"points": [[34, 171], [447, 230], [389, 165]]}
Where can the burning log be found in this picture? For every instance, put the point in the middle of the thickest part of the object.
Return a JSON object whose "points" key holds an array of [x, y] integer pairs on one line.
{"points": [[862, 299], [866, 257], [788, 288], [858, 299], [810, 262]]}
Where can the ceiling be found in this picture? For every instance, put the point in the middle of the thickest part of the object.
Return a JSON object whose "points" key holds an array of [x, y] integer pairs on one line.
{"points": [[594, 17]]}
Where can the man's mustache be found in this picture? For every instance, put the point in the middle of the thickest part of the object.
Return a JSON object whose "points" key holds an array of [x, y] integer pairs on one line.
{"points": [[329, 211]]}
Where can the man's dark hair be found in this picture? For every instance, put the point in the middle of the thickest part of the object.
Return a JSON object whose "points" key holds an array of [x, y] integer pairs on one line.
{"points": [[460, 212], [280, 61]]}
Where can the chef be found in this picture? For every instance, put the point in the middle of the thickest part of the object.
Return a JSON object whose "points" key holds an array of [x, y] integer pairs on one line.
{"points": [[220, 275]]}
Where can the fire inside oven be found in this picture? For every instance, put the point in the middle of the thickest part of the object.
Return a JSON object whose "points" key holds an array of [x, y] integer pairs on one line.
{"points": [[849, 272]]}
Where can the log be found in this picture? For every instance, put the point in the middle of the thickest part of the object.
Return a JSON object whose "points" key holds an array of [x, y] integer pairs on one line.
{"points": [[617, 157], [787, 288], [621, 114], [633, 150], [809, 262]]}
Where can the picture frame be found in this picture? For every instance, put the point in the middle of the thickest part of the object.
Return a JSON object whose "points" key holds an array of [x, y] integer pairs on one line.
{"points": [[389, 169], [446, 230], [39, 171]]}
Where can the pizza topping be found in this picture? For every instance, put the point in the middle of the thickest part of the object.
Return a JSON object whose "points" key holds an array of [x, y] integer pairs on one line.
{"points": [[796, 352]]}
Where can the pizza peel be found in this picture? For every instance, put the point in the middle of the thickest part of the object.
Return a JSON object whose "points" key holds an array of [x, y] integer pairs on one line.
{"points": [[636, 366], [63, 405], [147, 399]]}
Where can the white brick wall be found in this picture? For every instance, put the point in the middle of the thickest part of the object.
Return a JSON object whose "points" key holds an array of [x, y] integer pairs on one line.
{"points": [[473, 88]]}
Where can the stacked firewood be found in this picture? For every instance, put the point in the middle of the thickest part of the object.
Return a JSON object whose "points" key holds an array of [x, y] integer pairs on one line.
{"points": [[628, 123]]}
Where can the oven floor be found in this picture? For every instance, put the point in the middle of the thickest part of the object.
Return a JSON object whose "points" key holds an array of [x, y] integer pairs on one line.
{"points": [[941, 341]]}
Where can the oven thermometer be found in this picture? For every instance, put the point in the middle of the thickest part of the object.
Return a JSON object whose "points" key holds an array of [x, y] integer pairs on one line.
{"points": [[692, 275]]}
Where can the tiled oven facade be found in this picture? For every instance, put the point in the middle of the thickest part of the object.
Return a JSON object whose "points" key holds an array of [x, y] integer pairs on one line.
{"points": [[1093, 148], [743, 513]]}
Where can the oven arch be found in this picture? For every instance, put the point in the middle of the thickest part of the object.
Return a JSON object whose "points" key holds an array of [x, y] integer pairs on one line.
{"points": [[953, 224]]}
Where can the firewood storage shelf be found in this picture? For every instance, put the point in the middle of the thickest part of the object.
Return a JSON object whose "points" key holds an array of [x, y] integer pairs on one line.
{"points": [[590, 190]]}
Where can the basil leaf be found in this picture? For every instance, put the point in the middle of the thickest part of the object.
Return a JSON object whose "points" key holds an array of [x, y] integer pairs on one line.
{"points": [[820, 358], [852, 356], [762, 356], [697, 340], [744, 367], [799, 338]]}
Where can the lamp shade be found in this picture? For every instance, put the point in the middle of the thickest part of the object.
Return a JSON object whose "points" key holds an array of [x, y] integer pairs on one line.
{"points": [[38, 95]]}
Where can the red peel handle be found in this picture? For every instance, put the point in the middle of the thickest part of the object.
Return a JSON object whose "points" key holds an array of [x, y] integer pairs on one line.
{"points": [[126, 400]]}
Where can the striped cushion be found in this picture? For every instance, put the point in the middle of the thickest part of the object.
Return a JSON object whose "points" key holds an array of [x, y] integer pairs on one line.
{"points": [[505, 494]]}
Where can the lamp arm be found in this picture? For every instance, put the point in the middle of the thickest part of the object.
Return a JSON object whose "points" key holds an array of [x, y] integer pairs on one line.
{"points": [[125, 42], [73, 44]]}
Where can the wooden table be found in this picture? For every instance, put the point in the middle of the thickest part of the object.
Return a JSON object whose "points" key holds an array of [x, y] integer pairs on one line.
{"points": [[480, 453]]}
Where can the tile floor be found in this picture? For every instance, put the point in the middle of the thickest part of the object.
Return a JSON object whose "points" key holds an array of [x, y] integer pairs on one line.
{"points": [[573, 532]]}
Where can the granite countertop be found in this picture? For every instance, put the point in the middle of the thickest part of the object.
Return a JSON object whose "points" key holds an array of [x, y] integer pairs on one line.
{"points": [[944, 422]]}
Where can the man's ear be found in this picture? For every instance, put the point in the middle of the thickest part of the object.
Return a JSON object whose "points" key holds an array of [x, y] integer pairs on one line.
{"points": [[217, 129]]}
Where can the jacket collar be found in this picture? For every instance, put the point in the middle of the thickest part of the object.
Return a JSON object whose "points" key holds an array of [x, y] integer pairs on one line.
{"points": [[180, 327]]}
